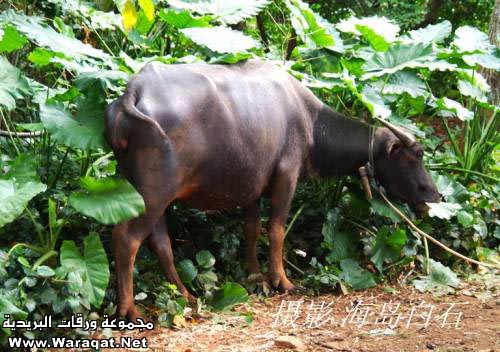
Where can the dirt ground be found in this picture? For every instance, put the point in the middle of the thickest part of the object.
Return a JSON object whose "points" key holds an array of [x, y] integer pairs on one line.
{"points": [[372, 320]]}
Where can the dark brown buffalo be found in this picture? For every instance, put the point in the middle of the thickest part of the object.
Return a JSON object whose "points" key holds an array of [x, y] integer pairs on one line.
{"points": [[218, 136]]}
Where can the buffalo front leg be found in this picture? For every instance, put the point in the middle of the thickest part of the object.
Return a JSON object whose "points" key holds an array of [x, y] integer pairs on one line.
{"points": [[159, 242], [282, 190], [252, 231]]}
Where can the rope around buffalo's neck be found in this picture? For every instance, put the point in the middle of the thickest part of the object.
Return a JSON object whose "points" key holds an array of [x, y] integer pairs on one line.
{"points": [[432, 239]]}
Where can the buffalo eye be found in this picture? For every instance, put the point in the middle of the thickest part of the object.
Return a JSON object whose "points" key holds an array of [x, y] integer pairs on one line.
{"points": [[420, 154]]}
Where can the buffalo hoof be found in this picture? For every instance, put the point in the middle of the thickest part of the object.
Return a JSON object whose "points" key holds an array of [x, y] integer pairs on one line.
{"points": [[281, 283], [131, 315], [256, 278], [192, 300]]}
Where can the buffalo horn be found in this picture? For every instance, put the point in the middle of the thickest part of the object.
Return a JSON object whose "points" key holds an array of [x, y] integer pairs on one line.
{"points": [[406, 138]]}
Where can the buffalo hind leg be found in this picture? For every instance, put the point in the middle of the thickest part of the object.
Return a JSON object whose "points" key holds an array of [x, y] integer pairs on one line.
{"points": [[252, 231], [282, 191], [127, 238], [149, 165], [159, 242]]}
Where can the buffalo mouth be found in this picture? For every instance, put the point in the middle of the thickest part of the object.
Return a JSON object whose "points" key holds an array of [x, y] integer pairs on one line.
{"points": [[421, 209]]}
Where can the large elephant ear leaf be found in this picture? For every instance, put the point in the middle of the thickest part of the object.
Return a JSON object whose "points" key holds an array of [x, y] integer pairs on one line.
{"points": [[399, 57], [14, 198], [432, 33], [383, 27], [312, 28], [85, 131], [92, 266], [36, 30], [225, 11], [108, 200], [220, 39], [470, 39], [13, 84]]}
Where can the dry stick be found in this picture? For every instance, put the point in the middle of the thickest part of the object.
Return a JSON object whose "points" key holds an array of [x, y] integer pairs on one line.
{"points": [[20, 134], [432, 239]]}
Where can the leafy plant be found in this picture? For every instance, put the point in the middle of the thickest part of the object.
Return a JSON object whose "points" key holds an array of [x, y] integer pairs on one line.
{"points": [[229, 295], [62, 62], [90, 270], [108, 200], [439, 280]]}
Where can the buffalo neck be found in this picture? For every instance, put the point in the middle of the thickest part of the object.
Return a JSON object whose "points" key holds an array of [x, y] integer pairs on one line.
{"points": [[340, 144]]}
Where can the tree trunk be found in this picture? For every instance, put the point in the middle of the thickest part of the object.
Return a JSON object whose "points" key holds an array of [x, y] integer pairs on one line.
{"points": [[292, 43], [432, 12], [492, 76], [262, 31]]}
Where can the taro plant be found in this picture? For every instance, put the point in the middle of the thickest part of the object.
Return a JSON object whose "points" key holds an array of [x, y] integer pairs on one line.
{"points": [[61, 62]]}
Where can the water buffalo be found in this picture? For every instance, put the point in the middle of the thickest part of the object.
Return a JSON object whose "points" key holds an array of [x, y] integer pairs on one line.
{"points": [[223, 136]]}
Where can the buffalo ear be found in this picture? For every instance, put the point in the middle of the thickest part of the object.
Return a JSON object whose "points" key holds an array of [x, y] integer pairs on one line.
{"points": [[393, 147]]}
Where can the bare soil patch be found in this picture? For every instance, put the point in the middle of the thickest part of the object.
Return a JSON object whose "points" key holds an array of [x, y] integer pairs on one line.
{"points": [[336, 323]]}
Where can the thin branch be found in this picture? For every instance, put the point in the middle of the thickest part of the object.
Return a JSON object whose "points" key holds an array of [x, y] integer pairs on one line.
{"points": [[432, 239], [4, 133]]}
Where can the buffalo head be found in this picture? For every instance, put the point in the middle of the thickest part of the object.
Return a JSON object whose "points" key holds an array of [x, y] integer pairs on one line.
{"points": [[400, 169]]}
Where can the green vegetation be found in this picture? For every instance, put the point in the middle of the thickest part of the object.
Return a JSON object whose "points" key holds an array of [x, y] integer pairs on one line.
{"points": [[61, 62]]}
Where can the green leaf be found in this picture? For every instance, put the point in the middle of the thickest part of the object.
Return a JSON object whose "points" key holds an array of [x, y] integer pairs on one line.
{"points": [[8, 307], [108, 200], [98, 19], [13, 84], [84, 132], [387, 247], [465, 218], [452, 191], [219, 39], [490, 61], [380, 26], [381, 208], [63, 28], [357, 277], [402, 82], [103, 80], [456, 108], [468, 89], [377, 41], [224, 11], [374, 102], [440, 280], [45, 271], [312, 28], [432, 33], [183, 19], [187, 271], [143, 25], [22, 169], [229, 295], [41, 57], [35, 29], [398, 57], [148, 7], [230, 58], [470, 39], [443, 210], [205, 259], [92, 266], [208, 279], [341, 244], [15, 197], [11, 40]]}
